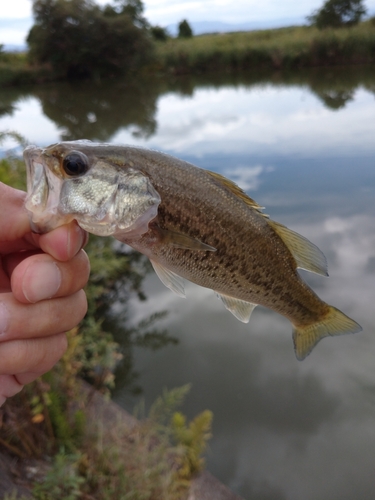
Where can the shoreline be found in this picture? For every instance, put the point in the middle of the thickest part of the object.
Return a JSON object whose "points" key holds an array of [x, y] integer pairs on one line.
{"points": [[17, 475], [290, 48]]}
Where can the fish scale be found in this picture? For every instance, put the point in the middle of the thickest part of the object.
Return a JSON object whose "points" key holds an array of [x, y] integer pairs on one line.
{"points": [[192, 223]]}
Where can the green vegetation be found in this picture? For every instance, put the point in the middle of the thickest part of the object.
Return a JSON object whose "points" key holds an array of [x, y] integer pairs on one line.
{"points": [[77, 38], [14, 496], [93, 457], [338, 13], [184, 30], [86, 450], [15, 70], [284, 48], [159, 33]]}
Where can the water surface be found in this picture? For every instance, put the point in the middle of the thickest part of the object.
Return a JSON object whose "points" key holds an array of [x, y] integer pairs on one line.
{"points": [[303, 145]]}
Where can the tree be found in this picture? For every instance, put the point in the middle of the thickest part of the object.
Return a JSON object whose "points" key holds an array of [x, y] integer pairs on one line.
{"points": [[184, 30], [80, 39], [132, 8], [338, 13], [159, 33]]}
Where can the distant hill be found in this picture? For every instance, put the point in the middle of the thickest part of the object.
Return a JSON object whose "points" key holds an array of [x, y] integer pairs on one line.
{"points": [[9, 47], [201, 27]]}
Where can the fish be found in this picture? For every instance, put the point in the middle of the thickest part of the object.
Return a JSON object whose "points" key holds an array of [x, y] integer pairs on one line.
{"points": [[193, 224]]}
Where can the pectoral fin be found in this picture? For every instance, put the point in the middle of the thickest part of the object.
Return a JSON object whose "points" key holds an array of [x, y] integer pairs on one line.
{"points": [[239, 308], [170, 279], [179, 240], [306, 254]]}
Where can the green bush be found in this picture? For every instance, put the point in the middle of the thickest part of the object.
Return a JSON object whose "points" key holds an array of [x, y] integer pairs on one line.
{"points": [[184, 30], [77, 38], [159, 33], [338, 13]]}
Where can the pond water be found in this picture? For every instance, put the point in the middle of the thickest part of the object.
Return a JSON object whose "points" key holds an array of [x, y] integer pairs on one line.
{"points": [[303, 146]]}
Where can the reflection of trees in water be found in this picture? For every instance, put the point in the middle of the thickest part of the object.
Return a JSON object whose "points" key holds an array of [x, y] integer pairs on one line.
{"points": [[370, 87], [85, 110], [9, 98], [336, 88], [98, 111], [116, 278], [336, 99]]}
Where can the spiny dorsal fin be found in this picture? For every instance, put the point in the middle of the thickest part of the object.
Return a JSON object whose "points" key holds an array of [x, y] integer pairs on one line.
{"points": [[237, 191], [306, 254]]}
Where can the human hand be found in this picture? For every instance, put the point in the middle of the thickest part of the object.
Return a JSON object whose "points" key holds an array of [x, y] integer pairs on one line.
{"points": [[41, 296]]}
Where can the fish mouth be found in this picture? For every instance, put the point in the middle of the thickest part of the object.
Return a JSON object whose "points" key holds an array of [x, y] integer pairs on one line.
{"points": [[42, 198]]}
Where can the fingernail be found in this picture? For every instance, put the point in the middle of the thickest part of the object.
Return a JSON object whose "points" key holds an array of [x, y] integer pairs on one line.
{"points": [[41, 281], [79, 242], [4, 318]]}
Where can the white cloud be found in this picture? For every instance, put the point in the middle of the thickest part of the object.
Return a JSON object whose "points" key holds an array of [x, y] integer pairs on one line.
{"points": [[172, 11], [247, 177], [15, 9], [29, 121], [166, 12], [266, 121], [353, 243]]}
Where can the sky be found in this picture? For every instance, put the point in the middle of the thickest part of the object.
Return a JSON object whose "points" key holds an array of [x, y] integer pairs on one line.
{"points": [[16, 17]]}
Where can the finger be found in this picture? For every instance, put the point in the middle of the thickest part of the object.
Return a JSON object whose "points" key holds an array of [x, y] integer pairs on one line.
{"points": [[14, 219], [64, 242], [26, 378], [48, 317], [31, 356], [9, 386], [40, 277], [15, 233]]}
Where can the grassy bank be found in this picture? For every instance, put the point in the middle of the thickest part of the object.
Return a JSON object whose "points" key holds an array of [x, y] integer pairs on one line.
{"points": [[284, 48], [15, 70]]}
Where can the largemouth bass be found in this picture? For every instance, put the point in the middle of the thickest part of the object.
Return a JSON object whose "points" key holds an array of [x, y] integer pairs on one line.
{"points": [[191, 223]]}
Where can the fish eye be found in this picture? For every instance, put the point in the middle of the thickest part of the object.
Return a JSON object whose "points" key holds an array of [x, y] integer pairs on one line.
{"points": [[75, 164]]}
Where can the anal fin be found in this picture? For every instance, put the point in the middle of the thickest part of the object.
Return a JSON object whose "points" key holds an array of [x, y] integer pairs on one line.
{"points": [[239, 308], [170, 279]]}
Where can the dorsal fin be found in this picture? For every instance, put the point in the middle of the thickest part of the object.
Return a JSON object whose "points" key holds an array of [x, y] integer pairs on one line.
{"points": [[306, 254], [237, 191]]}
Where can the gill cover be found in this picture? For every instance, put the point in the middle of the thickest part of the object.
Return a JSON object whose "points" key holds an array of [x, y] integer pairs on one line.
{"points": [[110, 202]]}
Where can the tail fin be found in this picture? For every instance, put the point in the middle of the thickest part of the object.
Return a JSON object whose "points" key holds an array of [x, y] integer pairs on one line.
{"points": [[334, 323]]}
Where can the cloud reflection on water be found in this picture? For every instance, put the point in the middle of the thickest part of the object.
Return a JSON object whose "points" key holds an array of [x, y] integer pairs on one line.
{"points": [[265, 121], [286, 429], [282, 429]]}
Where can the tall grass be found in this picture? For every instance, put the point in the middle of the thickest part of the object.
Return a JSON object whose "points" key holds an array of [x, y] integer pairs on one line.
{"points": [[281, 48]]}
